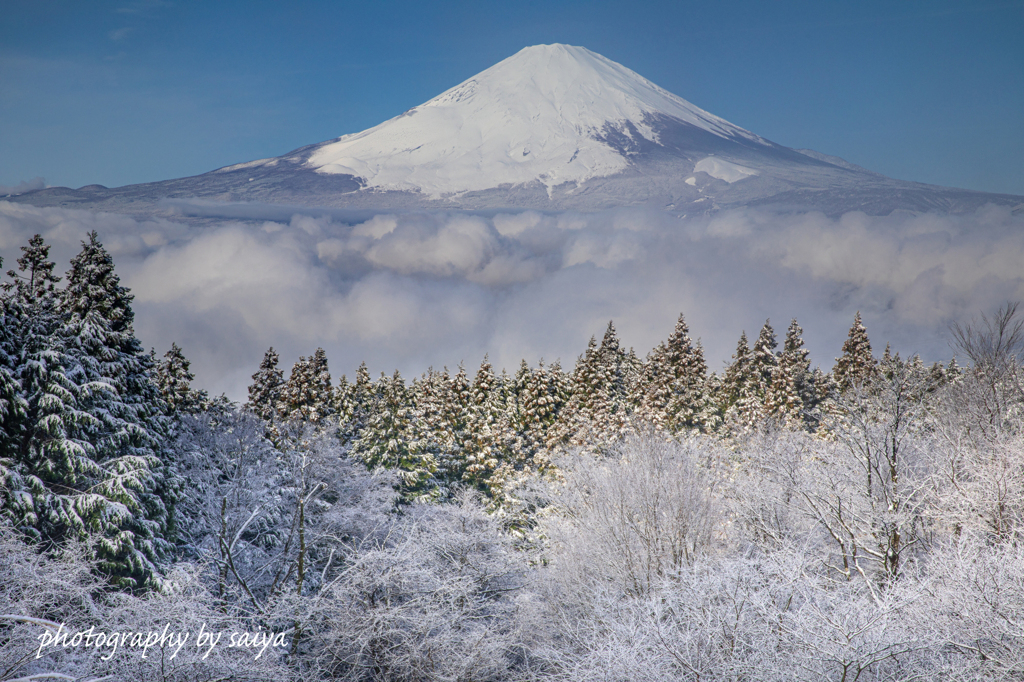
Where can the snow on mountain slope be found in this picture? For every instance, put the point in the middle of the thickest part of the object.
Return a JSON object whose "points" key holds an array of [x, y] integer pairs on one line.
{"points": [[537, 115], [552, 128], [723, 170]]}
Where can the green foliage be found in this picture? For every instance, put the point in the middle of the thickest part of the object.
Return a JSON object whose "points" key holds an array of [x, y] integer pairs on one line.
{"points": [[83, 429]]}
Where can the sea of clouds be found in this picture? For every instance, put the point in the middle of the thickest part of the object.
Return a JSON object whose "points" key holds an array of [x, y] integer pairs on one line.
{"points": [[412, 290]]}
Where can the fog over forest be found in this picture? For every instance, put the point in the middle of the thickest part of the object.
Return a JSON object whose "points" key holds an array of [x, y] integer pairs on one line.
{"points": [[415, 290], [620, 515]]}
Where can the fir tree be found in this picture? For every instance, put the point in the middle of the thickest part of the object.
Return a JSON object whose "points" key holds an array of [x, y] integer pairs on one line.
{"points": [[93, 286], [674, 396], [117, 390], [82, 458], [12, 404], [174, 380], [389, 439], [47, 459], [308, 395], [266, 388], [856, 365], [790, 393], [483, 449]]}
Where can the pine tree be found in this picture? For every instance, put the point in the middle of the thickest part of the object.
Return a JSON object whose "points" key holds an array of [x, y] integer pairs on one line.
{"points": [[390, 438], [856, 365], [117, 390], [674, 396], [81, 457], [308, 395], [174, 380], [789, 393], [483, 450], [265, 390]]}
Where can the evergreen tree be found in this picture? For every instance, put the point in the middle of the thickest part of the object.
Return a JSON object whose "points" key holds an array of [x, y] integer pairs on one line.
{"points": [[266, 388], [174, 380], [739, 402], [353, 403], [390, 438], [81, 454], [47, 459], [600, 406], [856, 365], [308, 395], [483, 450], [674, 396], [116, 389], [12, 404], [790, 394], [93, 286], [436, 421]]}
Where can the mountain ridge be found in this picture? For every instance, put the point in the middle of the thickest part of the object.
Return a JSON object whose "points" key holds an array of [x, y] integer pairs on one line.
{"points": [[553, 127]]}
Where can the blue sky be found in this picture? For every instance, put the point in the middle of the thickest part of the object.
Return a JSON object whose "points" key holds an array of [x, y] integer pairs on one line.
{"points": [[141, 90]]}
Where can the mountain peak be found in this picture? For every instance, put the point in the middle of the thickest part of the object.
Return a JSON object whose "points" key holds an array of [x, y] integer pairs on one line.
{"points": [[542, 115]]}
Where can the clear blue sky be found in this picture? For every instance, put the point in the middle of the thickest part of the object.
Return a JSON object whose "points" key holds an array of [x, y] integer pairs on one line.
{"points": [[141, 90]]}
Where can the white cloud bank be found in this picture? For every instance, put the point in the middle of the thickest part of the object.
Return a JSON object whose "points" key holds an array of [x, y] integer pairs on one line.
{"points": [[414, 290]]}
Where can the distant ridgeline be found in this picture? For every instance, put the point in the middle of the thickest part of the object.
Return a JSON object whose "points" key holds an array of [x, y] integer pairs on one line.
{"points": [[88, 419]]}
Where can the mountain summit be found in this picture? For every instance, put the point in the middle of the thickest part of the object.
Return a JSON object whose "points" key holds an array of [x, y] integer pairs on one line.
{"points": [[546, 114], [552, 127]]}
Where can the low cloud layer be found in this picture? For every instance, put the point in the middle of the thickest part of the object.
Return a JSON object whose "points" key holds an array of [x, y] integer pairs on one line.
{"points": [[22, 187], [412, 290]]}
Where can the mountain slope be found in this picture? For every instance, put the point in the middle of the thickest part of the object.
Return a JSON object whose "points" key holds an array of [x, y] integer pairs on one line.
{"points": [[552, 127]]}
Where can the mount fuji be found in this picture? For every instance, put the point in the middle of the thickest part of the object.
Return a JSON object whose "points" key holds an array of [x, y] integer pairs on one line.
{"points": [[553, 127]]}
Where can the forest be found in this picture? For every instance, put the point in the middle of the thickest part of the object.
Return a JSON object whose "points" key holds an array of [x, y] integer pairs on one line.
{"points": [[628, 518]]}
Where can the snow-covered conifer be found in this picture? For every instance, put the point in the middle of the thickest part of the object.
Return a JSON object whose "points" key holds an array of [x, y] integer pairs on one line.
{"points": [[390, 437], [484, 449], [174, 379], [308, 394], [674, 396], [599, 412], [741, 397], [82, 454], [117, 390], [266, 387], [353, 403], [790, 394], [856, 365]]}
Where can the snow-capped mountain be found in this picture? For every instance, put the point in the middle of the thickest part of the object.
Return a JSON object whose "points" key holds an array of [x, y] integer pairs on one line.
{"points": [[547, 114], [551, 127]]}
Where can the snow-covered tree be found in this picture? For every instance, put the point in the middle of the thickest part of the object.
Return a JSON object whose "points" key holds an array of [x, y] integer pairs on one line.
{"points": [[674, 396], [128, 430], [267, 385], [790, 394], [856, 365], [353, 402], [308, 394], [741, 392], [390, 437], [174, 379], [599, 409], [81, 461], [484, 449]]}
